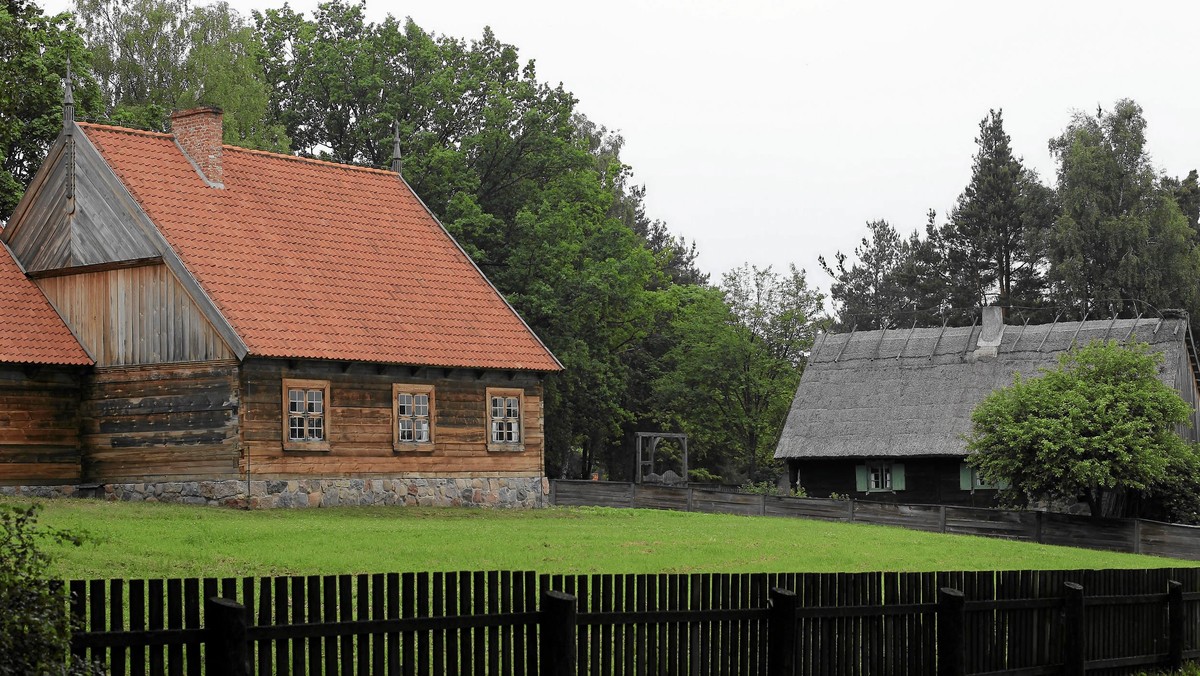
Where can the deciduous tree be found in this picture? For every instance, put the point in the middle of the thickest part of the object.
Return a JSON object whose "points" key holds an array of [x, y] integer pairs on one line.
{"points": [[33, 62], [1121, 238], [1100, 428]]}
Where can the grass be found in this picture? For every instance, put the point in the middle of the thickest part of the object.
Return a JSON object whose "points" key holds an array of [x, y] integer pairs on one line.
{"points": [[130, 540]]}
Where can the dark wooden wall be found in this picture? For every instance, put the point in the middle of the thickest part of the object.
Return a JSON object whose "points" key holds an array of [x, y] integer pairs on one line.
{"points": [[359, 422], [39, 424], [175, 422], [927, 481]]}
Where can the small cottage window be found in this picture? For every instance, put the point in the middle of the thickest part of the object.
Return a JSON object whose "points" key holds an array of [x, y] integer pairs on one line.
{"points": [[412, 417], [504, 419], [969, 480], [879, 476], [305, 404]]}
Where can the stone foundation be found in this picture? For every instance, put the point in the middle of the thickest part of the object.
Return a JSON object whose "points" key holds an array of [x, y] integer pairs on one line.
{"points": [[522, 492]]}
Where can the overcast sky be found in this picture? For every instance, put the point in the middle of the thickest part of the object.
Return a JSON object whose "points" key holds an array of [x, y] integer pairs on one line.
{"points": [[770, 132]]}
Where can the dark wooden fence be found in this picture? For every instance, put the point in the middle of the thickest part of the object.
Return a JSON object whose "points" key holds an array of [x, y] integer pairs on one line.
{"points": [[520, 623], [1136, 536]]}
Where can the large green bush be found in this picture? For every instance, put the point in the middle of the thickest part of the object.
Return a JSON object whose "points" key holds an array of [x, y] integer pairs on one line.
{"points": [[1099, 428]]}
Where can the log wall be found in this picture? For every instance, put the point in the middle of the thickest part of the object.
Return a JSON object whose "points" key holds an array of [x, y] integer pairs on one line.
{"points": [[359, 422], [39, 425], [175, 422]]}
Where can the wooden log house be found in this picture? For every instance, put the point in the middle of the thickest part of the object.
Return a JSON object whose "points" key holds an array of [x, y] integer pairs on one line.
{"points": [[882, 415], [190, 321]]}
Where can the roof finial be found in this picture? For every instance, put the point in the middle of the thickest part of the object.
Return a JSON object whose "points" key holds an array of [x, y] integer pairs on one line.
{"points": [[68, 101], [396, 164]]}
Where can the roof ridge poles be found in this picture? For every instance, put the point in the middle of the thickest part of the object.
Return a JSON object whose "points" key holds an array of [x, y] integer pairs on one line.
{"points": [[1110, 325], [945, 320], [904, 347], [1078, 329], [839, 355], [1023, 327], [820, 342], [879, 344], [1132, 328], [967, 347], [1049, 330]]}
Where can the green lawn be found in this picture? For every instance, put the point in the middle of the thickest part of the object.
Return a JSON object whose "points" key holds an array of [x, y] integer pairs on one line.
{"points": [[131, 540]]}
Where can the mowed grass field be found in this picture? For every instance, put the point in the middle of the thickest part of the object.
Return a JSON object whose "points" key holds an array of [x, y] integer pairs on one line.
{"points": [[147, 540]]}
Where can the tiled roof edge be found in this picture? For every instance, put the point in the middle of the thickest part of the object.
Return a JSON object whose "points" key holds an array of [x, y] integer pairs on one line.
{"points": [[475, 265]]}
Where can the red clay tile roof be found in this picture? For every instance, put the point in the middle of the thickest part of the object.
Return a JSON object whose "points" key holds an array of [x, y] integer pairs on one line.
{"points": [[31, 332], [311, 259]]}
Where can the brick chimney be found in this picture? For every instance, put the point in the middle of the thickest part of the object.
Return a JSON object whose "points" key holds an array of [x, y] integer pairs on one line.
{"points": [[198, 134]]}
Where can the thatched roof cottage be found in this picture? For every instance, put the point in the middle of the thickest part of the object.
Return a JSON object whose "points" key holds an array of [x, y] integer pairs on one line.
{"points": [[882, 414]]}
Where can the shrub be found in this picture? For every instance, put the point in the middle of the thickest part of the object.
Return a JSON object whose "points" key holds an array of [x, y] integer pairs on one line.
{"points": [[770, 488], [35, 630]]}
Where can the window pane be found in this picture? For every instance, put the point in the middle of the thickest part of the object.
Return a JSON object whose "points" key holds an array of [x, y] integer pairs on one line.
{"points": [[514, 407], [295, 428], [422, 430], [496, 434], [316, 429], [406, 430], [316, 401], [295, 401], [404, 403], [497, 407], [421, 405]]}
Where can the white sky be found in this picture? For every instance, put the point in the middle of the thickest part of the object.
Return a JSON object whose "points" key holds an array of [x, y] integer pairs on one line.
{"points": [[770, 132]]}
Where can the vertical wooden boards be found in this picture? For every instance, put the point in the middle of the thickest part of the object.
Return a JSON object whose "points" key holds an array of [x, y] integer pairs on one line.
{"points": [[134, 315], [39, 424], [103, 228]]}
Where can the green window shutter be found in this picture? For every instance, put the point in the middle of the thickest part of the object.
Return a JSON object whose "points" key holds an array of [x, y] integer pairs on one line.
{"points": [[897, 477], [860, 478], [964, 477]]}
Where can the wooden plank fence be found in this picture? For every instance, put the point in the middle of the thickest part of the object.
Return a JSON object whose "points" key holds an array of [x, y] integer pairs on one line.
{"points": [[521, 623], [1137, 536]]}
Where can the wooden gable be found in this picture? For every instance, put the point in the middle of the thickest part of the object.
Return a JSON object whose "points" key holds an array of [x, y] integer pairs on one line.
{"points": [[106, 268], [52, 230]]}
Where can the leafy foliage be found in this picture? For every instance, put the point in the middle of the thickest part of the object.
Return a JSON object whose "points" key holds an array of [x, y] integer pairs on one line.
{"points": [[35, 631], [734, 363], [155, 56], [33, 62], [1121, 237], [1099, 428]]}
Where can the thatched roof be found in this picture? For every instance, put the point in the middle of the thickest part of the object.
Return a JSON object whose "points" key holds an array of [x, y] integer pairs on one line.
{"points": [[908, 393]]}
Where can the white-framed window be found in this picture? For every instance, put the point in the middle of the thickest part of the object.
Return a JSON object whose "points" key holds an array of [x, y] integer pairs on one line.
{"points": [[504, 419], [412, 417], [305, 414], [879, 476], [874, 476]]}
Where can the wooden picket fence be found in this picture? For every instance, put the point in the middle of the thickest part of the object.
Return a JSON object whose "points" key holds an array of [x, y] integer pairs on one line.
{"points": [[520, 623]]}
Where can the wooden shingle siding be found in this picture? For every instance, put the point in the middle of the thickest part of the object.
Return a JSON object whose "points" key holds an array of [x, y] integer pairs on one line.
{"points": [[104, 227], [162, 423], [137, 315], [39, 425], [359, 422]]}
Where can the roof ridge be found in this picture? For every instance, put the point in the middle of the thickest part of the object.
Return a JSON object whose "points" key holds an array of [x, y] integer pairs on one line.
{"points": [[227, 146], [127, 130], [310, 160]]}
